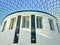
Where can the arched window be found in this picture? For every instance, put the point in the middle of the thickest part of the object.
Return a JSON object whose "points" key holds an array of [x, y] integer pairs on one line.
{"points": [[51, 24], [4, 26], [25, 22], [12, 22], [39, 22]]}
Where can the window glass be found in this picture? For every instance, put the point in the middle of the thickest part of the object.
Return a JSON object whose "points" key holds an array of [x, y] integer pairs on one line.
{"points": [[13, 21], [33, 30], [39, 22], [58, 28], [25, 22], [17, 30], [51, 24], [4, 26]]}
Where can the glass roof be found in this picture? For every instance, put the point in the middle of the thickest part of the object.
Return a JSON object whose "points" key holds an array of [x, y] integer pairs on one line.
{"points": [[9, 6]]}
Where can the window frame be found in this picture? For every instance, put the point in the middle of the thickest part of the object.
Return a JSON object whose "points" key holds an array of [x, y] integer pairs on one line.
{"points": [[25, 26], [12, 22], [4, 25], [41, 25], [51, 24]]}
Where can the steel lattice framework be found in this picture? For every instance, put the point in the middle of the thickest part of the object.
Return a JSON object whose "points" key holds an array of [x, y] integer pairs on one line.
{"points": [[9, 6]]}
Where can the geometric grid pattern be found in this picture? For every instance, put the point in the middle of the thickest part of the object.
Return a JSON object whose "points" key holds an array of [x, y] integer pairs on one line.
{"points": [[9, 6]]}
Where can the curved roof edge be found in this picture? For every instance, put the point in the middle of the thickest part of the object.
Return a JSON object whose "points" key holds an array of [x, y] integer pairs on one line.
{"points": [[31, 11]]}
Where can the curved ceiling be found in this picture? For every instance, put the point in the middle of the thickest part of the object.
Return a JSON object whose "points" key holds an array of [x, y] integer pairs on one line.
{"points": [[9, 6]]}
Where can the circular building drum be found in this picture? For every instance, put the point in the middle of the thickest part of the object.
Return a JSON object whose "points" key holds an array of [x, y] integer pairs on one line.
{"points": [[29, 27]]}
